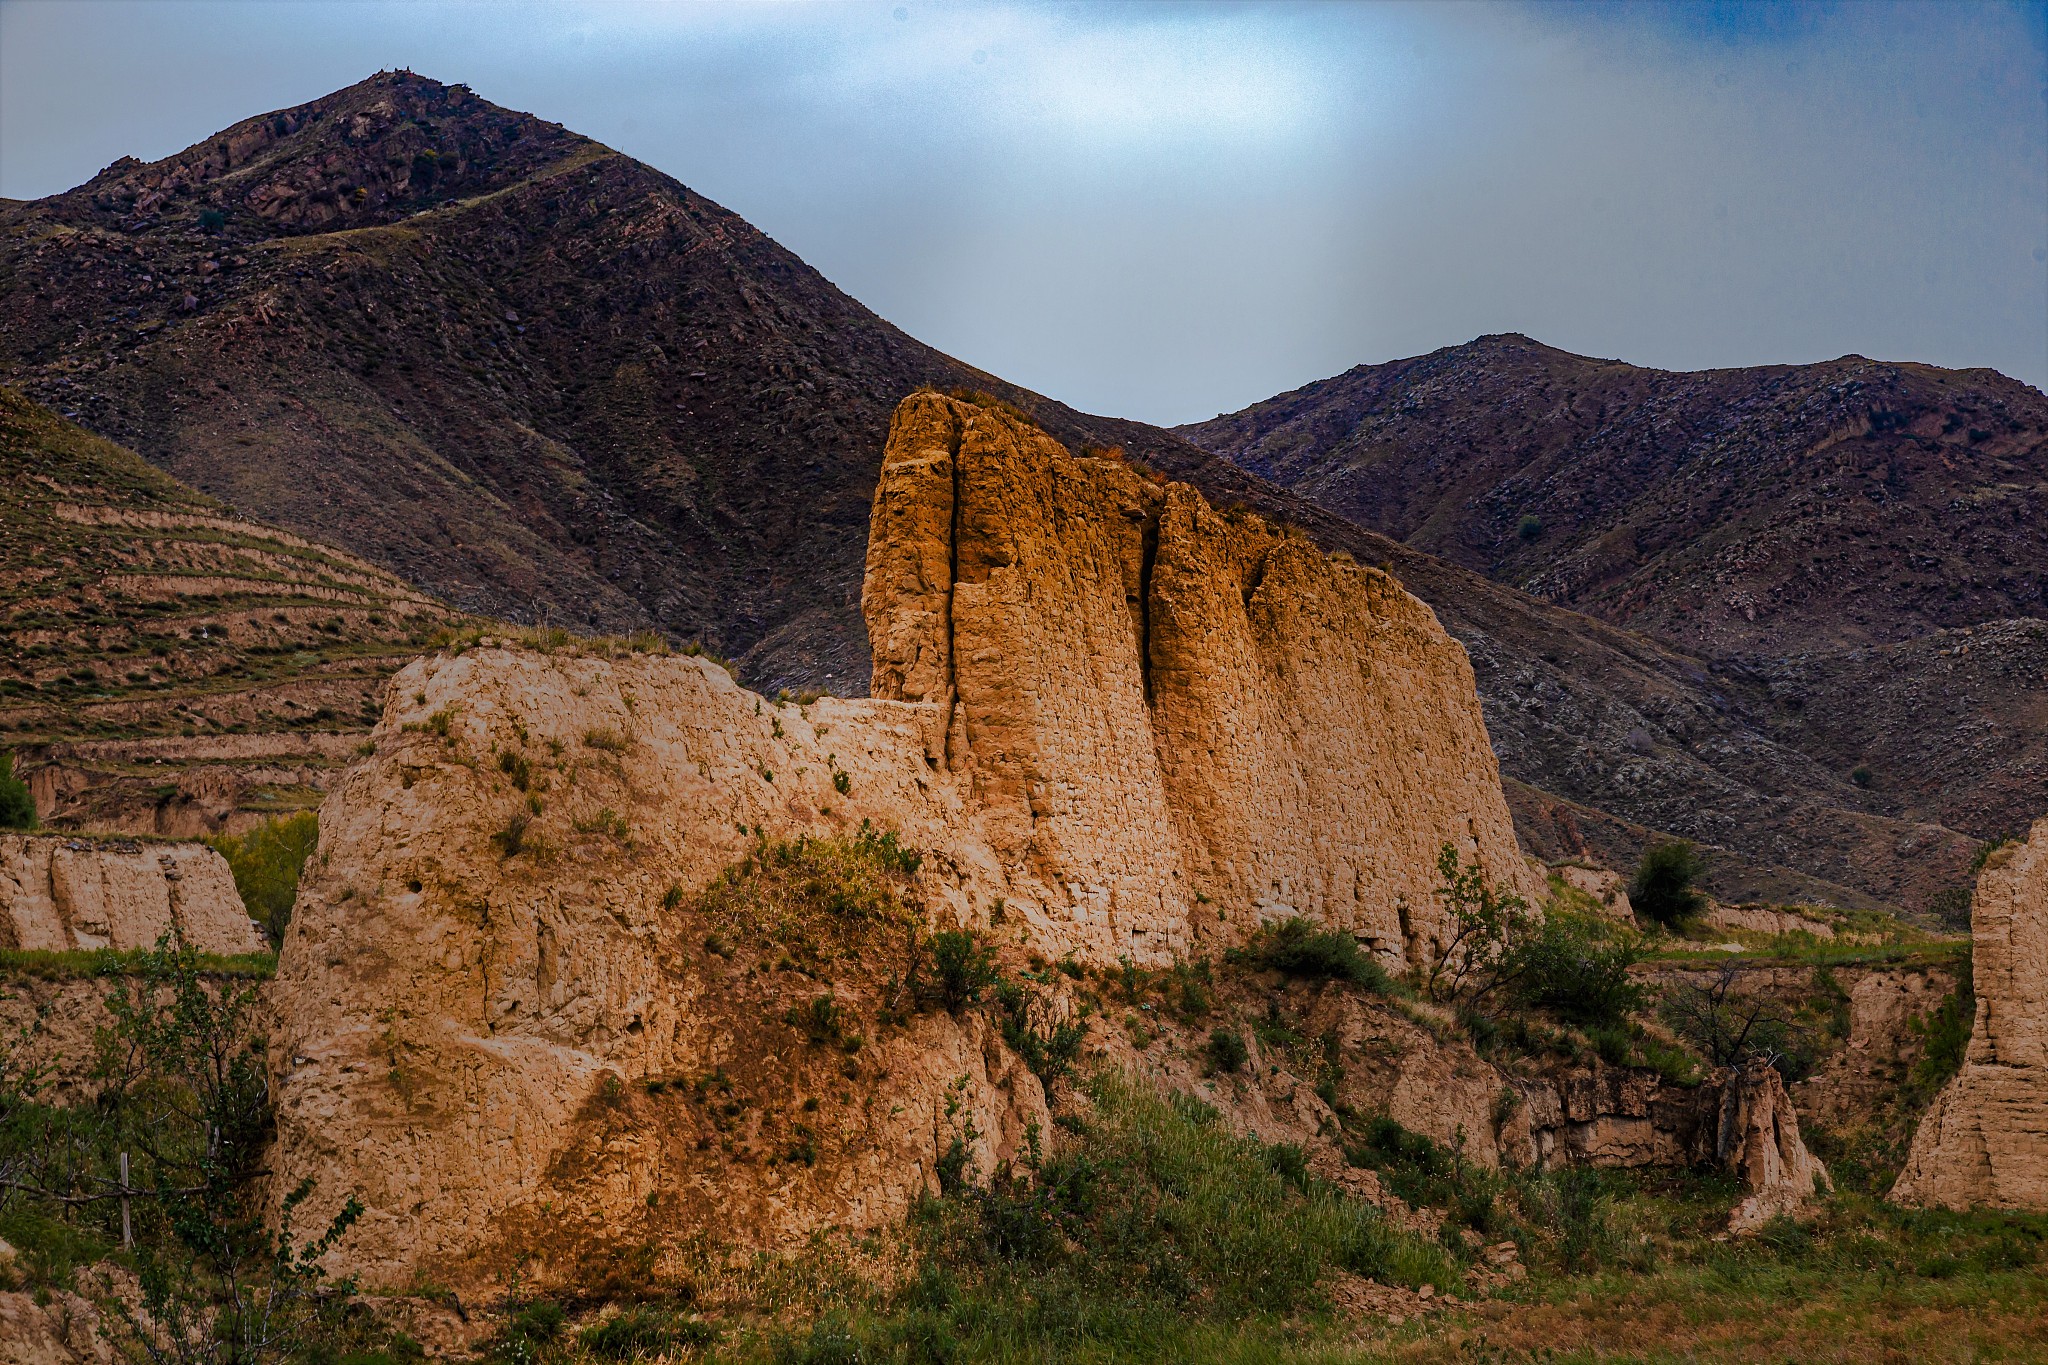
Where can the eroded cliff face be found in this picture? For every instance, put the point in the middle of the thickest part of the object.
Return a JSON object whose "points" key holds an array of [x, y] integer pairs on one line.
{"points": [[1166, 712], [61, 893], [524, 1021], [1985, 1141]]}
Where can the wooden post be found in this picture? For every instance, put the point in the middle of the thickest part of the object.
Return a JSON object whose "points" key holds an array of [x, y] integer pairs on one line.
{"points": [[127, 1229]]}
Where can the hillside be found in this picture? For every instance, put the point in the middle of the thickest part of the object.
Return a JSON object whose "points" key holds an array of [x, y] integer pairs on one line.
{"points": [[541, 379], [168, 667], [1853, 546], [1764, 510]]}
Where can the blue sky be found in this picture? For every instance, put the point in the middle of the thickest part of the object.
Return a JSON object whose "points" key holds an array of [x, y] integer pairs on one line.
{"points": [[1165, 211]]}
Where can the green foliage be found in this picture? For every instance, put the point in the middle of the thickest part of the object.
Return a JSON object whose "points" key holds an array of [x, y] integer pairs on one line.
{"points": [[962, 967], [1298, 948], [1153, 1217], [267, 863], [1529, 527], [72, 964], [646, 1332], [1663, 888], [1227, 1051], [1947, 1032], [529, 1334], [182, 1091], [1048, 1046], [1485, 924], [1577, 967], [17, 804], [212, 220]]}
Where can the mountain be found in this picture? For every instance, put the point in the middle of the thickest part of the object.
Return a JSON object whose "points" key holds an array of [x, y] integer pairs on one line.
{"points": [[170, 668], [1853, 547], [538, 379], [1729, 512]]}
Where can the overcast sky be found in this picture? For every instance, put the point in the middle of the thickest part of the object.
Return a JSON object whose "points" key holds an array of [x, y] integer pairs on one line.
{"points": [[1164, 212]]}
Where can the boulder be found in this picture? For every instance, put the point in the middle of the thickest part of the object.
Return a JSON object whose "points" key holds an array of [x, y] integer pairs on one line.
{"points": [[1985, 1140]]}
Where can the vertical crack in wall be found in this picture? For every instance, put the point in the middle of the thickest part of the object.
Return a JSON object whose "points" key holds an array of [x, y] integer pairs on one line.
{"points": [[954, 445], [1148, 554]]}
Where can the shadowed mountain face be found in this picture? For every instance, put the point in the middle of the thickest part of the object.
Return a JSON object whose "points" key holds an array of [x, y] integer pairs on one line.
{"points": [[1855, 546], [1766, 510], [540, 379]]}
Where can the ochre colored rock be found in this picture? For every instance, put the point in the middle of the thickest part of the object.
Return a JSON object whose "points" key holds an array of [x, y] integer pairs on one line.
{"points": [[1115, 721], [1609, 889], [1153, 701], [60, 893], [1985, 1141], [1758, 1139]]}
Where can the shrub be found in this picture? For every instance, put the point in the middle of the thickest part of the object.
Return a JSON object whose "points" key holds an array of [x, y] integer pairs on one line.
{"points": [[1862, 776], [1728, 1025], [1227, 1052], [212, 220], [606, 740], [645, 1332], [1947, 1032], [1485, 925], [1049, 1051], [1663, 886], [1576, 968], [1155, 1213], [1298, 948], [1529, 527], [962, 966], [517, 767], [511, 839], [267, 863], [17, 804]]}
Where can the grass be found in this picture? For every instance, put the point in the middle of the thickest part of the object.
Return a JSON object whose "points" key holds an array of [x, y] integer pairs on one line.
{"points": [[79, 963]]}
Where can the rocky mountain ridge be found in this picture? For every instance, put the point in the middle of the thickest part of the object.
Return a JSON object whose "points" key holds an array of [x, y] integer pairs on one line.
{"points": [[551, 383]]}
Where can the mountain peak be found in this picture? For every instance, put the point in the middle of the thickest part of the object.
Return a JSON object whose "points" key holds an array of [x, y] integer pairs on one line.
{"points": [[371, 153]]}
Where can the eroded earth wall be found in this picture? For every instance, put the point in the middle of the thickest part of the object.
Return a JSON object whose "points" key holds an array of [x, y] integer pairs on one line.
{"points": [[513, 1024], [1985, 1141], [60, 893], [1166, 712]]}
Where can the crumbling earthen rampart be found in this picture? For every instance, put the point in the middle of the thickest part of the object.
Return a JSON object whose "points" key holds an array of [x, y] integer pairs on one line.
{"points": [[1985, 1141], [1115, 721]]}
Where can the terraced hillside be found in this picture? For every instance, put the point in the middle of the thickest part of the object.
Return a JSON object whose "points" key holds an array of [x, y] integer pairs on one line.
{"points": [[167, 667]]}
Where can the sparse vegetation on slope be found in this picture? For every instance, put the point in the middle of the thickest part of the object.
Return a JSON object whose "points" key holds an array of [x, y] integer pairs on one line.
{"points": [[181, 669]]}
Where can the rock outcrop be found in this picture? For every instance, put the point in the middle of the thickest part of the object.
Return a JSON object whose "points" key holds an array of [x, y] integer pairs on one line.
{"points": [[61, 893], [516, 1023], [1158, 705], [1985, 1141], [1757, 1138]]}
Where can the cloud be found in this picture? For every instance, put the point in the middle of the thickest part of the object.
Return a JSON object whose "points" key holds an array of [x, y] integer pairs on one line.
{"points": [[1166, 211]]}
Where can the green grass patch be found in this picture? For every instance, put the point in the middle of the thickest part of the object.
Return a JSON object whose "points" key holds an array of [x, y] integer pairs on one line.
{"points": [[78, 963]]}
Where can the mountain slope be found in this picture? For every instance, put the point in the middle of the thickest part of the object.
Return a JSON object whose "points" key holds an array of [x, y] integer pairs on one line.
{"points": [[546, 380], [167, 667], [1727, 511], [1853, 546]]}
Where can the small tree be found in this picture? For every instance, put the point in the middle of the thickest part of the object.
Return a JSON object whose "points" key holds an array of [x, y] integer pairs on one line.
{"points": [[1663, 888], [1730, 1025], [1476, 962], [17, 803]]}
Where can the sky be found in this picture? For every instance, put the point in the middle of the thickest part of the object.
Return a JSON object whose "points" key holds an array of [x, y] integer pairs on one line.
{"points": [[1167, 211]]}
